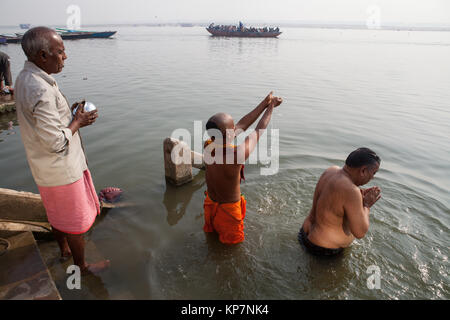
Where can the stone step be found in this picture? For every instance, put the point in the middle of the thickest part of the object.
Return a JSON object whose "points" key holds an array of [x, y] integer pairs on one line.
{"points": [[23, 273], [27, 206], [40, 230], [92, 286], [7, 103]]}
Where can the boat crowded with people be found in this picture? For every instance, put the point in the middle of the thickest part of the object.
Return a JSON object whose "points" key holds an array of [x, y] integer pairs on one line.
{"points": [[242, 31]]}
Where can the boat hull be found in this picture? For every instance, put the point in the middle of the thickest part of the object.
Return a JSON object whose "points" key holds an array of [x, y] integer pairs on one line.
{"points": [[242, 34], [67, 36], [86, 35]]}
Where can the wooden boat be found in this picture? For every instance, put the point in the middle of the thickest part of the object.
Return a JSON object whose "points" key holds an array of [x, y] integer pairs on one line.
{"points": [[243, 34], [10, 39], [241, 31], [65, 35]]}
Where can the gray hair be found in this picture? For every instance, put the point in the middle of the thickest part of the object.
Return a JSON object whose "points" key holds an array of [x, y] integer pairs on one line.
{"points": [[35, 40]]}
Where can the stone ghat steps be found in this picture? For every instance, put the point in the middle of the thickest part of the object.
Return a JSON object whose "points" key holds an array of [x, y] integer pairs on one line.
{"points": [[23, 213], [27, 206], [23, 273], [7, 104], [92, 286]]}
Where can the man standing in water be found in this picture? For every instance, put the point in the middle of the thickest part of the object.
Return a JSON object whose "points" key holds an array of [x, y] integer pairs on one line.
{"points": [[224, 206], [340, 210], [53, 145]]}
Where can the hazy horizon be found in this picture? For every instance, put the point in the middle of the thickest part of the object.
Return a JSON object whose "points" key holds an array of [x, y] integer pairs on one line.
{"points": [[392, 12]]}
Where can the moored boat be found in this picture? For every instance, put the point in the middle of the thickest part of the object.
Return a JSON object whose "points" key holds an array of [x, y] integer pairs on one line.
{"points": [[65, 35], [10, 39]]}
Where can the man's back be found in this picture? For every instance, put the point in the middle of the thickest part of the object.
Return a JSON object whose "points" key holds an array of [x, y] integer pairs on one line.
{"points": [[326, 225], [223, 181]]}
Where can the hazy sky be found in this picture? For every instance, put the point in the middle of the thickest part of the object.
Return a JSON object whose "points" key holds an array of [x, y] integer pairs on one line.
{"points": [[52, 12]]}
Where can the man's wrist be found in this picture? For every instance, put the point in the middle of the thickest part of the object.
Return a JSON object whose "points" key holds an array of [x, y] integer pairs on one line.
{"points": [[75, 125]]}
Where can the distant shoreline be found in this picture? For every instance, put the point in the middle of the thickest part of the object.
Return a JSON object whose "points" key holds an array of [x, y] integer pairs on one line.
{"points": [[261, 24]]}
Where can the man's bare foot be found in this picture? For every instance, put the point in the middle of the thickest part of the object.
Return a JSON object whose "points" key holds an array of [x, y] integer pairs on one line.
{"points": [[66, 255], [95, 267]]}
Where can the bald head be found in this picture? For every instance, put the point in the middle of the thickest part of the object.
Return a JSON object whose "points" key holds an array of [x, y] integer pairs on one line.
{"points": [[37, 39], [221, 122]]}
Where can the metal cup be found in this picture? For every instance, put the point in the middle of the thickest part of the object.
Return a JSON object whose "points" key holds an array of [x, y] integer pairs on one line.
{"points": [[88, 107]]}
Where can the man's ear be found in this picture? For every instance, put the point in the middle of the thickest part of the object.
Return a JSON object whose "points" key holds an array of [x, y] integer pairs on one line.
{"points": [[43, 55], [363, 171]]}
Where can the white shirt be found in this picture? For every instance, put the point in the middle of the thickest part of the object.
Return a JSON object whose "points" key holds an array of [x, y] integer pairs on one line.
{"points": [[55, 156]]}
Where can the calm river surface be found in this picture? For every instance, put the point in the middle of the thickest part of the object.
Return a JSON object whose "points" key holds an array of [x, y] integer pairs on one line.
{"points": [[343, 89]]}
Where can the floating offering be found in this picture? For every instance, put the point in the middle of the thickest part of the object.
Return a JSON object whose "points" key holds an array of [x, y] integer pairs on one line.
{"points": [[88, 107], [110, 194]]}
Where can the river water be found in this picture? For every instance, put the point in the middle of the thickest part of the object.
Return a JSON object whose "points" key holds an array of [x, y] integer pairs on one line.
{"points": [[342, 89]]}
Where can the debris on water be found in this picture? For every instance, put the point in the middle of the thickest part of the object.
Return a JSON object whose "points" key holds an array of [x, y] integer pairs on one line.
{"points": [[10, 128], [110, 194]]}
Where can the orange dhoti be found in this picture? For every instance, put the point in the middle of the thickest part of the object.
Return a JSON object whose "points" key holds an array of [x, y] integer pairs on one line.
{"points": [[227, 219]]}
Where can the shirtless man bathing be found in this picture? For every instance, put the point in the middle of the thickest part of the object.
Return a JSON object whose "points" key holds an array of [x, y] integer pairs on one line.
{"points": [[340, 210], [224, 206]]}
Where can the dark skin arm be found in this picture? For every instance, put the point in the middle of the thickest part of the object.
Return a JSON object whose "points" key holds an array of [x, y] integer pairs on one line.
{"points": [[251, 117], [252, 139], [81, 118], [357, 209]]}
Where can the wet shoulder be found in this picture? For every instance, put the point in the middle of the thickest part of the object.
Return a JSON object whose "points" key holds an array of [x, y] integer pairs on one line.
{"points": [[335, 179]]}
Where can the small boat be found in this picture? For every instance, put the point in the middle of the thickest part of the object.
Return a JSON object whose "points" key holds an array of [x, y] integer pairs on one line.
{"points": [[241, 31], [2, 40], [10, 39], [65, 34], [25, 26]]}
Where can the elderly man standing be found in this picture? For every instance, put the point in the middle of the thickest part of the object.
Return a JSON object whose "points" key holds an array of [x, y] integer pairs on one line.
{"points": [[53, 145]]}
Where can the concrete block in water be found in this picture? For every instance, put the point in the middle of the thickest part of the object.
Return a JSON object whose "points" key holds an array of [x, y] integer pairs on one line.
{"points": [[177, 164], [179, 160]]}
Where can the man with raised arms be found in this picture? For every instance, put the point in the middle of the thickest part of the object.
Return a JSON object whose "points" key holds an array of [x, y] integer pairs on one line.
{"points": [[224, 206]]}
